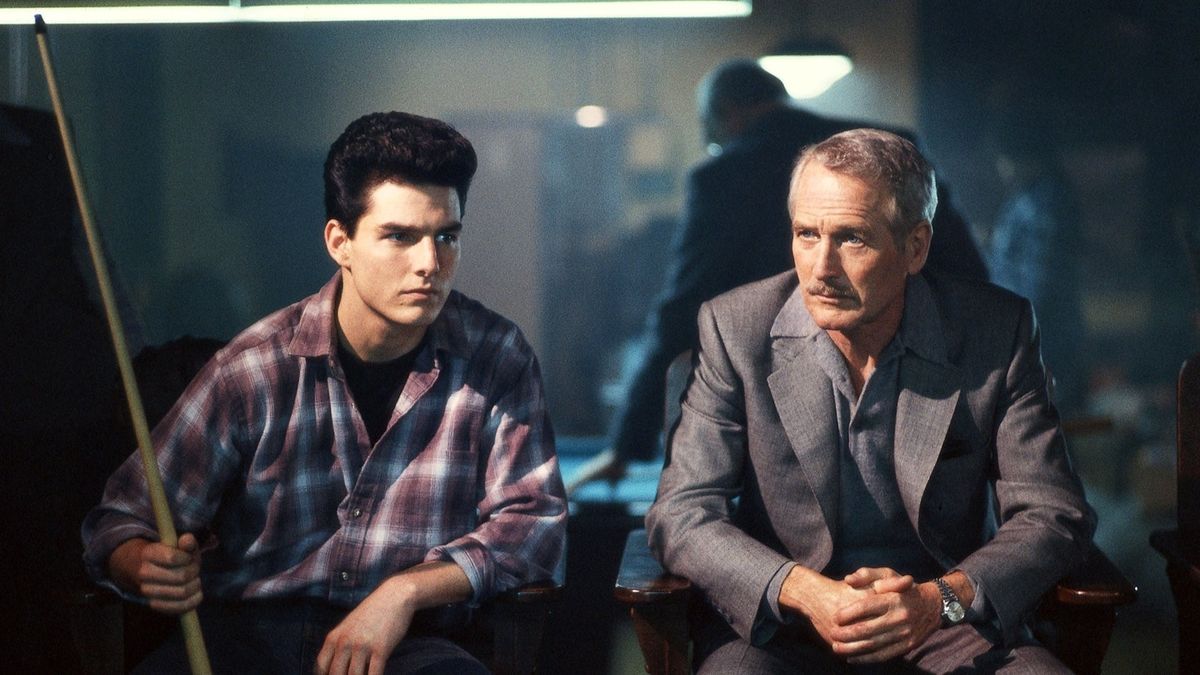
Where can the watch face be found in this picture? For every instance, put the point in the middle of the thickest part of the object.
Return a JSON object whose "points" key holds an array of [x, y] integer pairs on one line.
{"points": [[954, 612]]}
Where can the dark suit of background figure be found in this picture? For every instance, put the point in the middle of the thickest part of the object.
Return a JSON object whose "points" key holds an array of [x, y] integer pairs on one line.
{"points": [[735, 229]]}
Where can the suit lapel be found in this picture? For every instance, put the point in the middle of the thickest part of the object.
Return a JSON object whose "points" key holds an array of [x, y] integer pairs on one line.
{"points": [[928, 395], [929, 389], [801, 392]]}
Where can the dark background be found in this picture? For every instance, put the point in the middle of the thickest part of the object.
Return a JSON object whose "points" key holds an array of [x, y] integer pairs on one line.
{"points": [[202, 148]]}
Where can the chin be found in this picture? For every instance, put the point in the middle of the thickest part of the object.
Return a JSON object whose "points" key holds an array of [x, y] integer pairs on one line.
{"points": [[413, 317], [836, 321]]}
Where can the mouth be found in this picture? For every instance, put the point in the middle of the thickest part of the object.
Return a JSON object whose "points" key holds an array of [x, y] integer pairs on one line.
{"points": [[832, 300], [421, 293]]}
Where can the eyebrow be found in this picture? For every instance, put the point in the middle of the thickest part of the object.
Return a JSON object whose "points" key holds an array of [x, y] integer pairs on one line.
{"points": [[453, 227]]}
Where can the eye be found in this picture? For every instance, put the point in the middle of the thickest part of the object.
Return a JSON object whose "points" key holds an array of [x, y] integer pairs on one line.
{"points": [[403, 237], [804, 233], [447, 237]]}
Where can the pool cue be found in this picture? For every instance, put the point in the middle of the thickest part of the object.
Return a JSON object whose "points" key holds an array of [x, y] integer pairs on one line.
{"points": [[194, 641]]}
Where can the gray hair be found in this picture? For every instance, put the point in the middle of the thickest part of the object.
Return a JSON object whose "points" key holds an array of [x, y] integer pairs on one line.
{"points": [[885, 161]]}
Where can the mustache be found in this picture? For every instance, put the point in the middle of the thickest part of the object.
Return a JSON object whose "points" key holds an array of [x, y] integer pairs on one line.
{"points": [[830, 290]]}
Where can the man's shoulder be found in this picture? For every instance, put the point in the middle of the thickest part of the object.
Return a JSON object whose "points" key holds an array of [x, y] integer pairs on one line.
{"points": [[272, 334], [971, 301], [755, 305], [469, 326], [979, 320]]}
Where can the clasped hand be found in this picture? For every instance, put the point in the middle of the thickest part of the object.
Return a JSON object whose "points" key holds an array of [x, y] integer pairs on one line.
{"points": [[871, 615]]}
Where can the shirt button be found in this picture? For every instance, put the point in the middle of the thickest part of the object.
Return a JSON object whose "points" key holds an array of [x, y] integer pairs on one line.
{"points": [[356, 513], [344, 576]]}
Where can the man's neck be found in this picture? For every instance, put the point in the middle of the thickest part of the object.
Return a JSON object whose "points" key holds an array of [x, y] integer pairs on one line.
{"points": [[372, 338], [861, 347], [382, 348]]}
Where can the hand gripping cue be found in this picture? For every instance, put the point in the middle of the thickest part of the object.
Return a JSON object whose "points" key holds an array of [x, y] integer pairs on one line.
{"points": [[197, 656]]}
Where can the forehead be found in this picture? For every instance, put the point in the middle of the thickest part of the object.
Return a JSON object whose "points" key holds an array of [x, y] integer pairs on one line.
{"points": [[819, 193], [395, 199]]}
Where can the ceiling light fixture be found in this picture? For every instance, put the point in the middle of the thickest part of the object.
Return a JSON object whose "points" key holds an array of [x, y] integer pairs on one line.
{"points": [[234, 11], [807, 68]]}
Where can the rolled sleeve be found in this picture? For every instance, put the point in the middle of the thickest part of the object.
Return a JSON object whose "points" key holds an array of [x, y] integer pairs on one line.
{"points": [[522, 513]]}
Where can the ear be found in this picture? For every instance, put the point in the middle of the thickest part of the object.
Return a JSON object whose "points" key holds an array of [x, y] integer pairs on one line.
{"points": [[337, 243], [916, 246]]}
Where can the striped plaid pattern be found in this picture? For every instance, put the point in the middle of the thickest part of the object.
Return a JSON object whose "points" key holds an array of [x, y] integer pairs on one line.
{"points": [[266, 457]]}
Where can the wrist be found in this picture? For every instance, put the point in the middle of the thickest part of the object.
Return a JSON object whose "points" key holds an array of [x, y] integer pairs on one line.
{"points": [[950, 609], [123, 564], [402, 591], [961, 585], [798, 590]]}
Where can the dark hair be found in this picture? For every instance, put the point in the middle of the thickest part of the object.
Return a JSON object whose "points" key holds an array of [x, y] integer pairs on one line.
{"points": [[738, 83], [886, 161], [393, 146]]}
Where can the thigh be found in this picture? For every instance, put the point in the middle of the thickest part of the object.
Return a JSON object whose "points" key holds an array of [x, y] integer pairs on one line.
{"points": [[1024, 660], [238, 639], [432, 656], [792, 658], [962, 649], [738, 656], [785, 654]]}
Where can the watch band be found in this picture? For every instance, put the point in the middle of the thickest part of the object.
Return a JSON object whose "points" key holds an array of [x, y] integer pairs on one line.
{"points": [[952, 609]]}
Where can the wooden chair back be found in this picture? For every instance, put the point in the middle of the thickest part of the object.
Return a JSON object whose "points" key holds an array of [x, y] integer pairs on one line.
{"points": [[1180, 547], [1187, 443]]}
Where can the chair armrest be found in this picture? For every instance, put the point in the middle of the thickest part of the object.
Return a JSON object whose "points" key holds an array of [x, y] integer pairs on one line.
{"points": [[1182, 553], [658, 603], [641, 580], [518, 619], [1097, 582], [546, 590], [1079, 613]]}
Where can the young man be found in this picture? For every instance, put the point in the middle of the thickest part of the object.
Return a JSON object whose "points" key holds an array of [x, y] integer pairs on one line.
{"points": [[868, 471], [376, 449]]}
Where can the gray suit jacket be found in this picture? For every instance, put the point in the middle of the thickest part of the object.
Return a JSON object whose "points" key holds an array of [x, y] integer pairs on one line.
{"points": [[751, 478]]}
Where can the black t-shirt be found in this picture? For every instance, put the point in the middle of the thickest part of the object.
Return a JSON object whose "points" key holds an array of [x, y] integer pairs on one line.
{"points": [[376, 386]]}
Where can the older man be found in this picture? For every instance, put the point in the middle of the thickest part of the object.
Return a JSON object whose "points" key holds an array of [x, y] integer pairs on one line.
{"points": [[868, 471]]}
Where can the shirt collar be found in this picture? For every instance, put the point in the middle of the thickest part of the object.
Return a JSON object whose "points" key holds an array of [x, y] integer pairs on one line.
{"points": [[315, 334]]}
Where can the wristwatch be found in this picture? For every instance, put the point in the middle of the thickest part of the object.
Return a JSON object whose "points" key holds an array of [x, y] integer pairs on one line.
{"points": [[952, 610]]}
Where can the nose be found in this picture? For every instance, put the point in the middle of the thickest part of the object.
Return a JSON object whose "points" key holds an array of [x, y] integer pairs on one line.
{"points": [[827, 264], [425, 257]]}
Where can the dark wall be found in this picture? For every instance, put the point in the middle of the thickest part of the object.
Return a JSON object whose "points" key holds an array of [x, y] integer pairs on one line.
{"points": [[1110, 89]]}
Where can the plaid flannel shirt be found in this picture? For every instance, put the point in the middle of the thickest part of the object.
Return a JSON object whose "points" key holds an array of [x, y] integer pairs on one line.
{"points": [[266, 457]]}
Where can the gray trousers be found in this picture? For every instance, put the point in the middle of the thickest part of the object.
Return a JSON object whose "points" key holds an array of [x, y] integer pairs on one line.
{"points": [[958, 650]]}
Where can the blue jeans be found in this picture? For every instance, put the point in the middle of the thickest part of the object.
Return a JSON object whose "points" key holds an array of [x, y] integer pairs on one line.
{"points": [[285, 636]]}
